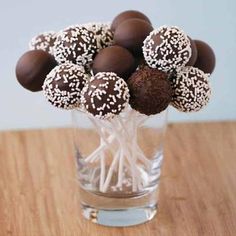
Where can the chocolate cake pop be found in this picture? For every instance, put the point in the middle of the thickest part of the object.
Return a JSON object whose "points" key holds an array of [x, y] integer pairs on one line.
{"points": [[167, 48], [63, 85], [123, 16], [105, 95], [150, 91], [131, 33], [193, 57], [103, 34], [44, 41], [33, 67], [75, 44], [114, 59], [191, 89], [206, 58]]}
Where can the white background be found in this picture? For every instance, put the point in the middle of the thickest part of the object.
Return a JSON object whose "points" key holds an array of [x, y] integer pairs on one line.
{"points": [[212, 21]]}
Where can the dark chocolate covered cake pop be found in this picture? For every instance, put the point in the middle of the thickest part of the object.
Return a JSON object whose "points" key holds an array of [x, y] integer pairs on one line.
{"points": [[150, 91], [44, 41], [193, 58], [131, 33], [206, 58], [33, 67], [167, 48], [114, 59], [63, 85], [75, 45], [105, 95], [103, 34], [126, 15], [191, 90]]}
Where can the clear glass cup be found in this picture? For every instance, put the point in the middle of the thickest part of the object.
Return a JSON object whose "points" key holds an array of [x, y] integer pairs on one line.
{"points": [[119, 164]]}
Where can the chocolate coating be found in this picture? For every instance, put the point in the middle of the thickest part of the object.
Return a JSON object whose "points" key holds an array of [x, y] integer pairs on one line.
{"points": [[75, 45], [123, 16], [105, 95], [114, 59], [193, 57], [32, 69], [131, 33], [150, 91], [63, 85], [167, 48], [206, 57], [191, 89], [44, 41]]}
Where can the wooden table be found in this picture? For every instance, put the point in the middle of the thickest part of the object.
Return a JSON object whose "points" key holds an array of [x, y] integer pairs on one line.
{"points": [[39, 194]]}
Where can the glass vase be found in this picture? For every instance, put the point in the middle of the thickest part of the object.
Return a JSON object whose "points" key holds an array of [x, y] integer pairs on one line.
{"points": [[119, 163]]}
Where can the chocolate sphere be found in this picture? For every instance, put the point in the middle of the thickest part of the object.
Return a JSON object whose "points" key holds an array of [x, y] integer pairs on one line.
{"points": [[123, 16], [193, 57], [150, 91], [114, 59], [75, 45], [44, 41], [206, 58], [131, 33], [105, 95], [191, 90], [63, 85], [32, 69], [167, 49]]}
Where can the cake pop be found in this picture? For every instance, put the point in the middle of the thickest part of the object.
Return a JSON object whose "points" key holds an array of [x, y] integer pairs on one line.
{"points": [[191, 90]]}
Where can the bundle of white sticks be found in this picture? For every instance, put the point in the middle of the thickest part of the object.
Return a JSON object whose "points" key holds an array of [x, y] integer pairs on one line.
{"points": [[119, 137]]}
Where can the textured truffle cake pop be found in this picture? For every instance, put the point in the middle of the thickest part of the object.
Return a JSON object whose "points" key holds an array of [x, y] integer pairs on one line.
{"points": [[75, 44], [206, 58], [63, 85], [191, 89], [106, 95], [193, 57], [103, 34], [167, 48], [150, 91], [126, 15], [114, 59], [131, 33], [44, 41], [32, 69]]}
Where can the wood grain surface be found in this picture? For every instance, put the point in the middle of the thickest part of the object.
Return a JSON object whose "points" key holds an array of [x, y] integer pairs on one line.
{"points": [[39, 193]]}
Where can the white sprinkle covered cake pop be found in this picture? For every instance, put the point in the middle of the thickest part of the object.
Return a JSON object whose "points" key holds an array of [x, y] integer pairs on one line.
{"points": [[191, 89], [167, 48], [75, 44], [103, 34], [105, 95], [62, 86], [44, 41]]}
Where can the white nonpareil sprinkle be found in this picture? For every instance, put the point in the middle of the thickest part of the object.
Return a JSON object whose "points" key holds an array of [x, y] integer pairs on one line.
{"points": [[62, 86], [172, 53], [191, 89], [105, 95]]}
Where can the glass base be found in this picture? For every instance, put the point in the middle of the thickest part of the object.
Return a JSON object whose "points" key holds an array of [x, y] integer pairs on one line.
{"points": [[119, 217]]}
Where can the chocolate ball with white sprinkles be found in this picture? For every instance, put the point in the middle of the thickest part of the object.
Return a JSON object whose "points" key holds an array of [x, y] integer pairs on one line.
{"points": [[63, 85], [75, 44], [167, 48], [105, 95], [191, 89], [103, 34], [44, 41]]}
